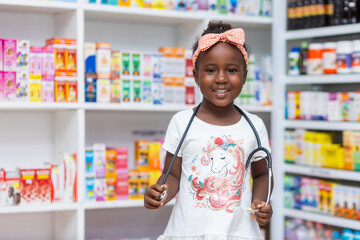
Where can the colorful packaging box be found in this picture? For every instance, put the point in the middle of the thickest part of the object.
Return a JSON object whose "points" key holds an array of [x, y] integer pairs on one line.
{"points": [[71, 90], [136, 64], [126, 86], [90, 87], [1, 55], [100, 189], [121, 158], [43, 185], [70, 190], [157, 91], [103, 58], [115, 64], [147, 65], [115, 90], [47, 88], [60, 90], [3, 192], [103, 88], [48, 61], [9, 86], [122, 185], [110, 166], [58, 182], [146, 91], [35, 88], [90, 189], [125, 3], [143, 181], [110, 190], [356, 150], [9, 55], [136, 91], [100, 160], [125, 63], [35, 61], [89, 163], [90, 59], [2, 82], [28, 186], [142, 155], [133, 185], [71, 58], [13, 187], [22, 73], [154, 156]]}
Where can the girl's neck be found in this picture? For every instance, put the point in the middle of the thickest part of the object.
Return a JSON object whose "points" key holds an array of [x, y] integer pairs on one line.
{"points": [[222, 116]]}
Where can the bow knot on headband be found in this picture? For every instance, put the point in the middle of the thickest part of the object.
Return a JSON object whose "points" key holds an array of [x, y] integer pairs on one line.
{"points": [[235, 37]]}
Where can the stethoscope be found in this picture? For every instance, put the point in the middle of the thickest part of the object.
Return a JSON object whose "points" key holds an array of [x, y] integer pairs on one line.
{"points": [[248, 161]]}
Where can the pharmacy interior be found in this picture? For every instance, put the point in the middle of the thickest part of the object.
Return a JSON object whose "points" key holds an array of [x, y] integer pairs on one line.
{"points": [[88, 87]]}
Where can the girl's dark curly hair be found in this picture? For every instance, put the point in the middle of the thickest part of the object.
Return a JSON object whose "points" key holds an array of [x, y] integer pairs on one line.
{"points": [[216, 27]]}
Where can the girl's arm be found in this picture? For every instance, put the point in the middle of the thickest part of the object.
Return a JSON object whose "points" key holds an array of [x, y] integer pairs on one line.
{"points": [[173, 180], [152, 198], [260, 176]]}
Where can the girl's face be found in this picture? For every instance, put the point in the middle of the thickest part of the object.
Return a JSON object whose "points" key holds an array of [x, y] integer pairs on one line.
{"points": [[220, 74]]}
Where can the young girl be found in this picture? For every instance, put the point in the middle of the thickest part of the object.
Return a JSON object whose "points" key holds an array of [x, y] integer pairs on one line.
{"points": [[210, 165]]}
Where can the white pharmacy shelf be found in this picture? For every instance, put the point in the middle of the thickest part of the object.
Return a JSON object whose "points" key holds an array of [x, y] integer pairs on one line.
{"points": [[38, 106], [326, 219], [144, 107], [144, 15], [35, 208], [323, 79], [322, 172], [33, 6], [119, 204], [322, 125], [323, 32]]}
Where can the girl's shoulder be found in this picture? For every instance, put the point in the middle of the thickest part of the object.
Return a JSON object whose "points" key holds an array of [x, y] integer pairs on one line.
{"points": [[255, 119], [183, 115]]}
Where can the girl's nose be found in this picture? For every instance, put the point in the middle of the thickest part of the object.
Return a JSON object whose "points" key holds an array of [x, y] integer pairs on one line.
{"points": [[221, 78]]}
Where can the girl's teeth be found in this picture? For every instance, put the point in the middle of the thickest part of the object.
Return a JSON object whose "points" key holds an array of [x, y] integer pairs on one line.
{"points": [[220, 91]]}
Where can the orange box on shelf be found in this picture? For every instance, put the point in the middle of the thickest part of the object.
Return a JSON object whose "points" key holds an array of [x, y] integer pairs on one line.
{"points": [[133, 184], [142, 154]]}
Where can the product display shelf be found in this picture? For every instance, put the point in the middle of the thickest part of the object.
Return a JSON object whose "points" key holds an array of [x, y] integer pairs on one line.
{"points": [[143, 107], [34, 6], [323, 79], [37, 208], [322, 32], [138, 203], [326, 219], [320, 172], [322, 125], [281, 41], [37, 106], [143, 15]]}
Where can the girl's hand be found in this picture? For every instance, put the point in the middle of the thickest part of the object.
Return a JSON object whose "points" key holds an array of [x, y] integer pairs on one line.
{"points": [[153, 198], [262, 217]]}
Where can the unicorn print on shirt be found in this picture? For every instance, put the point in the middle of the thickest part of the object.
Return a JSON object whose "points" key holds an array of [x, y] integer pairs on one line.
{"points": [[217, 184]]}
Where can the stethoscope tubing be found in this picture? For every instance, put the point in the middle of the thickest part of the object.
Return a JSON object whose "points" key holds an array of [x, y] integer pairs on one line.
{"points": [[248, 161]]}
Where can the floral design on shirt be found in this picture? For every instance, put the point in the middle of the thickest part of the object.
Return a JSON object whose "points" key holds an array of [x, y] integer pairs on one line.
{"points": [[223, 159]]}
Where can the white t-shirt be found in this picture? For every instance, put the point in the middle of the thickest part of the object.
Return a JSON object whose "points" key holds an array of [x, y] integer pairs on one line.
{"points": [[213, 160]]}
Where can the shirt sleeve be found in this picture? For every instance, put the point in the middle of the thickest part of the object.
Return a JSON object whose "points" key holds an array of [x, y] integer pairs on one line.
{"points": [[264, 142], [172, 137]]}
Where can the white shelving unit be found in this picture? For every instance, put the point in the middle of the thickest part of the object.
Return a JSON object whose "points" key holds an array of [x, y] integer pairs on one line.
{"points": [[282, 40], [34, 133]]}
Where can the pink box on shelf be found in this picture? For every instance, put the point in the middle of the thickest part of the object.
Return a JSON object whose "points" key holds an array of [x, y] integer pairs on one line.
{"points": [[9, 55], [1, 54], [1, 86], [48, 61], [9, 83], [47, 88], [35, 61]]}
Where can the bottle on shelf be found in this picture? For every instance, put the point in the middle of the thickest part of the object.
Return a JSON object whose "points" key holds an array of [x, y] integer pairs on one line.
{"points": [[315, 59], [336, 18], [329, 12], [347, 235], [336, 235], [329, 58], [313, 14], [345, 13], [356, 235], [321, 12], [306, 12], [303, 61], [343, 56], [299, 14], [294, 56], [355, 56], [353, 11], [292, 15]]}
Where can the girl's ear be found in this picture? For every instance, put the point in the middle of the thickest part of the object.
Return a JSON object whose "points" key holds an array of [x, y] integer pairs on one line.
{"points": [[245, 76], [196, 77]]}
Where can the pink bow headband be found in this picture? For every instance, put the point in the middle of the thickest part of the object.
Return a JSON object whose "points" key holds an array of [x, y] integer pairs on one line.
{"points": [[234, 36]]}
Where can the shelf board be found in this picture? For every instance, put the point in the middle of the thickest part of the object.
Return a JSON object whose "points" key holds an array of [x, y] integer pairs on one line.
{"points": [[143, 107], [322, 32], [326, 219], [37, 106], [322, 125], [34, 6], [55, 207], [323, 79], [145, 15], [322, 172], [119, 204]]}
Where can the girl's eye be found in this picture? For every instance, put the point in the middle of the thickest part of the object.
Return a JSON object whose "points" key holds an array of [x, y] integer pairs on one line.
{"points": [[232, 70], [210, 70]]}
